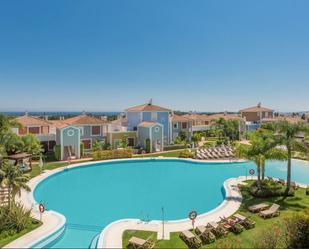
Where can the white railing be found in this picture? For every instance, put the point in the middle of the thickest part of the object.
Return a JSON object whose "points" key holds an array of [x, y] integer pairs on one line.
{"points": [[200, 127]]}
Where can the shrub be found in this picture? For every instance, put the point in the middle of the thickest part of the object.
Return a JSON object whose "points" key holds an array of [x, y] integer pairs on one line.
{"points": [[112, 154], [148, 145], [270, 238], [175, 147], [297, 231], [186, 154], [307, 191], [269, 189], [15, 219], [82, 149], [57, 152]]}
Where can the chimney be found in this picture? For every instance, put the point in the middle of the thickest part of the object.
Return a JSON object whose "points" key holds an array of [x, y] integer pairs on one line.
{"points": [[26, 113], [84, 112], [259, 105], [150, 102], [46, 117], [225, 113], [104, 118], [61, 118]]}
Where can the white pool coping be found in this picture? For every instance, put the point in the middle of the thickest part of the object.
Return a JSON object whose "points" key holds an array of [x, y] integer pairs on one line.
{"points": [[111, 236]]}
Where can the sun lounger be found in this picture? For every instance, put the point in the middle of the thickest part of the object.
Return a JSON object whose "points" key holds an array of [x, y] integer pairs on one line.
{"points": [[200, 229], [190, 239], [138, 243], [244, 221], [233, 225], [294, 185], [207, 236], [271, 212], [217, 229], [282, 181], [258, 207]]}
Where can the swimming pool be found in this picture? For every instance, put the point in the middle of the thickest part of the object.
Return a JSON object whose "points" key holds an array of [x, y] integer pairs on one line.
{"points": [[91, 197]]}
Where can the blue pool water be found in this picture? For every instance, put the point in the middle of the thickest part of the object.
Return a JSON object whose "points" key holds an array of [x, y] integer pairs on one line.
{"points": [[93, 196]]}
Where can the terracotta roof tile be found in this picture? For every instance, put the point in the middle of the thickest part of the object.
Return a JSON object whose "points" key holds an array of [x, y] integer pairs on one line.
{"points": [[179, 118], [257, 108], [147, 107], [27, 120]]}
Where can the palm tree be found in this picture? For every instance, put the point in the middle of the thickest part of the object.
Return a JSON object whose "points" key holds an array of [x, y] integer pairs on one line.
{"points": [[261, 148], [286, 134], [196, 137], [15, 180], [6, 123]]}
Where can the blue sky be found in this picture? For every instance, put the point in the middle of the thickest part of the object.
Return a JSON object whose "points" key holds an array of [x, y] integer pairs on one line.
{"points": [[208, 55]]}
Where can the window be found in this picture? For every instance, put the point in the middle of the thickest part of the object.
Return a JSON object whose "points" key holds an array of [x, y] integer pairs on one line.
{"points": [[81, 130], [117, 143], [266, 114], [154, 116], [87, 144], [131, 141], [157, 129], [184, 125], [135, 128], [175, 125], [34, 130], [22, 130], [96, 130]]}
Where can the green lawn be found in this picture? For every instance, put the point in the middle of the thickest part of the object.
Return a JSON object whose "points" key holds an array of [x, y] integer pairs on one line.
{"points": [[35, 224], [289, 205], [164, 154]]}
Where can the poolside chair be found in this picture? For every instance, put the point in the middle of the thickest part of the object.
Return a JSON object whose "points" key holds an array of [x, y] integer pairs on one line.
{"points": [[232, 225], [190, 239], [138, 243], [294, 185], [200, 229], [270, 178], [217, 229], [207, 236], [282, 181], [258, 207], [199, 156], [246, 222], [271, 212]]}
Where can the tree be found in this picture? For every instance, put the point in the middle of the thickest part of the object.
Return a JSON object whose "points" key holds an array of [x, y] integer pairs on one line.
{"points": [[196, 137], [124, 141], [7, 123], [15, 180], [97, 146], [286, 135], [31, 145], [261, 148], [226, 128]]}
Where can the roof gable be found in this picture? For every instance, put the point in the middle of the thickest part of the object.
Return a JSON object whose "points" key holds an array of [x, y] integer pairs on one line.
{"points": [[27, 120], [147, 107]]}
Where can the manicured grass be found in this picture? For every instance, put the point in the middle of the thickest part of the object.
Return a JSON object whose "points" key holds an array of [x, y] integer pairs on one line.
{"points": [[247, 239], [35, 224], [48, 166], [164, 154]]}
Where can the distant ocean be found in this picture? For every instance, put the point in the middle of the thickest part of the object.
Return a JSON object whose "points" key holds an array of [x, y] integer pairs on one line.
{"points": [[60, 113]]}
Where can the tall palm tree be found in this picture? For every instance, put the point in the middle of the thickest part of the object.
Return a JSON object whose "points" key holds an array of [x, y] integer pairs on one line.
{"points": [[15, 180], [286, 134]]}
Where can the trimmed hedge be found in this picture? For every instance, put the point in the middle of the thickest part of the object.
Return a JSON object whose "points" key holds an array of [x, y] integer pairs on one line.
{"points": [[269, 189], [112, 154], [57, 152], [175, 147]]}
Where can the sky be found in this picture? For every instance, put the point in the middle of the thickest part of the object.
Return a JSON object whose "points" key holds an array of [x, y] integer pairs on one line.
{"points": [[108, 55]]}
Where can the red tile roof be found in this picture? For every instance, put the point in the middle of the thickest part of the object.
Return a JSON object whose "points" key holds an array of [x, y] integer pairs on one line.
{"points": [[257, 108], [27, 120], [147, 107], [180, 118], [77, 120]]}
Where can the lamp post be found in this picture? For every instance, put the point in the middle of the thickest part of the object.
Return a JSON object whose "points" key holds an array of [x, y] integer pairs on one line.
{"points": [[162, 209]]}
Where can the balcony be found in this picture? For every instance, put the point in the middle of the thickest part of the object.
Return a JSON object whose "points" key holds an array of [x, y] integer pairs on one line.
{"points": [[200, 127]]}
